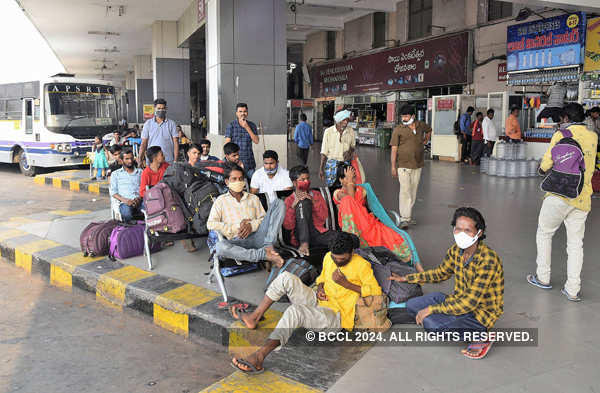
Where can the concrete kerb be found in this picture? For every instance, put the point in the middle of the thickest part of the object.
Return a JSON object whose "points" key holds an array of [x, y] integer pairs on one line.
{"points": [[72, 182]]}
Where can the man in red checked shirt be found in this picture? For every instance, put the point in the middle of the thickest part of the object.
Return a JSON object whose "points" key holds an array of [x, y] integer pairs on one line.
{"points": [[306, 213]]}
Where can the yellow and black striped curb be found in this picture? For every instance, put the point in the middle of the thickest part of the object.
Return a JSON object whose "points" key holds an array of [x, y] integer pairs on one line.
{"points": [[180, 307], [71, 182]]}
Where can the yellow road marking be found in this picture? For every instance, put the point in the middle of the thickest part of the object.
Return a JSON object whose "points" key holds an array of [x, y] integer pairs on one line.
{"points": [[185, 297], [60, 278], [70, 262], [94, 188], [23, 252], [268, 381], [15, 222], [172, 321], [39, 179], [111, 286], [69, 212], [11, 233], [74, 185]]}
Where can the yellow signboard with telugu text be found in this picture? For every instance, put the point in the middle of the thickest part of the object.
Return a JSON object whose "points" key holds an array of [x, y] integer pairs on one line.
{"points": [[592, 46]]}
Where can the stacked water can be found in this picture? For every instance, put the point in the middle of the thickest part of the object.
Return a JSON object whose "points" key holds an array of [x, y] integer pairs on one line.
{"points": [[510, 161]]}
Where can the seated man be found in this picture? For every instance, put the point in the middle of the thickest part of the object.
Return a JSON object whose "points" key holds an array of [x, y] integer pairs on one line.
{"points": [[205, 152], [478, 298], [239, 216], [271, 177], [154, 172], [116, 139], [305, 213], [344, 278], [232, 154], [125, 187]]}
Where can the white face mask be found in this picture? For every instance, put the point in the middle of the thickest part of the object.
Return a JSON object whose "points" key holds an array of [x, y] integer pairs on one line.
{"points": [[465, 241], [407, 123]]}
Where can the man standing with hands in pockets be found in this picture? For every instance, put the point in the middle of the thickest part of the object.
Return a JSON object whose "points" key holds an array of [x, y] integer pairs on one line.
{"points": [[243, 133], [407, 158]]}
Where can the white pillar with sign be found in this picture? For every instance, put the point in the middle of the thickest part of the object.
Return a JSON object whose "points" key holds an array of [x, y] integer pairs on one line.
{"points": [[445, 112]]}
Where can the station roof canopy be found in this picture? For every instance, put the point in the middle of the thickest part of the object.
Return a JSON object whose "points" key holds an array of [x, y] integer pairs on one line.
{"points": [[99, 38]]}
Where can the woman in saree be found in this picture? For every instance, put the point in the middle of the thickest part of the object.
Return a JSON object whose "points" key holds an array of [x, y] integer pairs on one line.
{"points": [[355, 218]]}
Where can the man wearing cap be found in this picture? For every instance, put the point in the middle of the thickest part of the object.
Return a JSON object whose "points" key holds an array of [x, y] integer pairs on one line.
{"points": [[339, 143]]}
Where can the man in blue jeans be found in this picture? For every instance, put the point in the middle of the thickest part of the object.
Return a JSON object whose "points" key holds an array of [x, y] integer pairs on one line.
{"points": [[249, 233], [125, 187], [466, 134], [478, 298]]}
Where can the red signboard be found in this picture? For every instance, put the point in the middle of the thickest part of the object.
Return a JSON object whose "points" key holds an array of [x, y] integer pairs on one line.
{"points": [[502, 75], [445, 104], [390, 114], [436, 62]]}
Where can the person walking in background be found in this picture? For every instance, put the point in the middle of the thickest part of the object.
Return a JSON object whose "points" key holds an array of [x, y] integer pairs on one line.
{"points": [[303, 136], [466, 134], [339, 144], [557, 210], [477, 139], [407, 159], [513, 128], [100, 164], [243, 133], [160, 131], [490, 134]]}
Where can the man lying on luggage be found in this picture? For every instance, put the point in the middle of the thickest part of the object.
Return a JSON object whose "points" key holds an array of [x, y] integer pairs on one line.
{"points": [[478, 298], [306, 213], [248, 232], [345, 277]]}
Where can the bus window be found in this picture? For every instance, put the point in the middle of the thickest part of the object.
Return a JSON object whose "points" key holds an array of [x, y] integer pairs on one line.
{"points": [[13, 109], [28, 116]]}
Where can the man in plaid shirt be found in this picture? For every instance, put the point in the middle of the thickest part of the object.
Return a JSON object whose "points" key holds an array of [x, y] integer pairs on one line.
{"points": [[478, 298], [243, 133]]}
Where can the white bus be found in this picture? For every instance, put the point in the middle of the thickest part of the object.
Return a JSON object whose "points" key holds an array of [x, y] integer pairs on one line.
{"points": [[53, 122]]}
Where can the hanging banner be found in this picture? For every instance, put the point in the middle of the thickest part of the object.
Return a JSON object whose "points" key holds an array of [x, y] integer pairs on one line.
{"points": [[592, 46], [552, 42], [436, 62]]}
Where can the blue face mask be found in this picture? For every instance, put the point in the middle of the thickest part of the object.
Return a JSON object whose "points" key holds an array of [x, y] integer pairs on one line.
{"points": [[271, 171]]}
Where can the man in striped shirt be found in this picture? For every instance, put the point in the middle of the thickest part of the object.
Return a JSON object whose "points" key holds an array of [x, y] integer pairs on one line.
{"points": [[478, 298], [249, 232]]}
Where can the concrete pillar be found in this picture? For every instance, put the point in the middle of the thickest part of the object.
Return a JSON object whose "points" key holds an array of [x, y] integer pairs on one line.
{"points": [[171, 72], [246, 62], [143, 85], [130, 110]]}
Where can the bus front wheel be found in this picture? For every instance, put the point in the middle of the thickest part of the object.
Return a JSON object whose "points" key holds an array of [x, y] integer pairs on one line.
{"points": [[26, 168]]}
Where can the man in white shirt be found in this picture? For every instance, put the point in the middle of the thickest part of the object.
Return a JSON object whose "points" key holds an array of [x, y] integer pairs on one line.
{"points": [[271, 177], [490, 134]]}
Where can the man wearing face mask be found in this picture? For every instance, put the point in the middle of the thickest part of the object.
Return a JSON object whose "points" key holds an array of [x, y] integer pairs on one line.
{"points": [[160, 131], [271, 177], [478, 298], [306, 213], [249, 232], [407, 159]]}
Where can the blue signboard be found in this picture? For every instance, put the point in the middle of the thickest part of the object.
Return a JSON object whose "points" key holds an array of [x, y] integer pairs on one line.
{"points": [[552, 42]]}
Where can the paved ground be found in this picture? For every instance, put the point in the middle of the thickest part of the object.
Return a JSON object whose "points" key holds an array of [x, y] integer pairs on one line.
{"points": [[57, 342], [569, 346]]}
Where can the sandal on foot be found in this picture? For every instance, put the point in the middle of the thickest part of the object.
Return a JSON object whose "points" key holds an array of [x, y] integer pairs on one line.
{"points": [[533, 280], [253, 370], [242, 308], [484, 348]]}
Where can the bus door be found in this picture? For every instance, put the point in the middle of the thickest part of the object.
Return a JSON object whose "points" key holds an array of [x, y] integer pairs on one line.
{"points": [[28, 115]]}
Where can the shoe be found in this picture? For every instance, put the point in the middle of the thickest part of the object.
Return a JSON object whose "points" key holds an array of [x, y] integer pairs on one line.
{"points": [[533, 280], [412, 221], [404, 224], [575, 298]]}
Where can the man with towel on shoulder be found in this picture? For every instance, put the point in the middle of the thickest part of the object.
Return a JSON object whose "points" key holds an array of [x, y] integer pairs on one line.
{"points": [[339, 144]]}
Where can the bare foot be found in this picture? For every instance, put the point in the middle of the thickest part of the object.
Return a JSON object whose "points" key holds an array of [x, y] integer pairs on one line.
{"points": [[253, 359], [303, 249], [274, 257], [249, 319]]}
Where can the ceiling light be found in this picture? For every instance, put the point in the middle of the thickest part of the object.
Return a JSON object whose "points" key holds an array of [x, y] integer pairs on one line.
{"points": [[106, 50], [104, 33]]}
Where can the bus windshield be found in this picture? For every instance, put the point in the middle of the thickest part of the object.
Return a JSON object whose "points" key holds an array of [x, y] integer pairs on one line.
{"points": [[80, 110]]}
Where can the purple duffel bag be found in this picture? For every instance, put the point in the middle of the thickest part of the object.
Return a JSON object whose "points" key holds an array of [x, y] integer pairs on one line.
{"points": [[127, 241]]}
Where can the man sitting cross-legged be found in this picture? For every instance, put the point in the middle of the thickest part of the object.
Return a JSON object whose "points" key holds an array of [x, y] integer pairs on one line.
{"points": [[249, 232], [345, 277], [478, 298], [306, 213]]}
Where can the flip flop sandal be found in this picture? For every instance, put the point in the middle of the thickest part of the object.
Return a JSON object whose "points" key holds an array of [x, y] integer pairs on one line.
{"points": [[485, 348], [253, 370], [234, 310]]}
